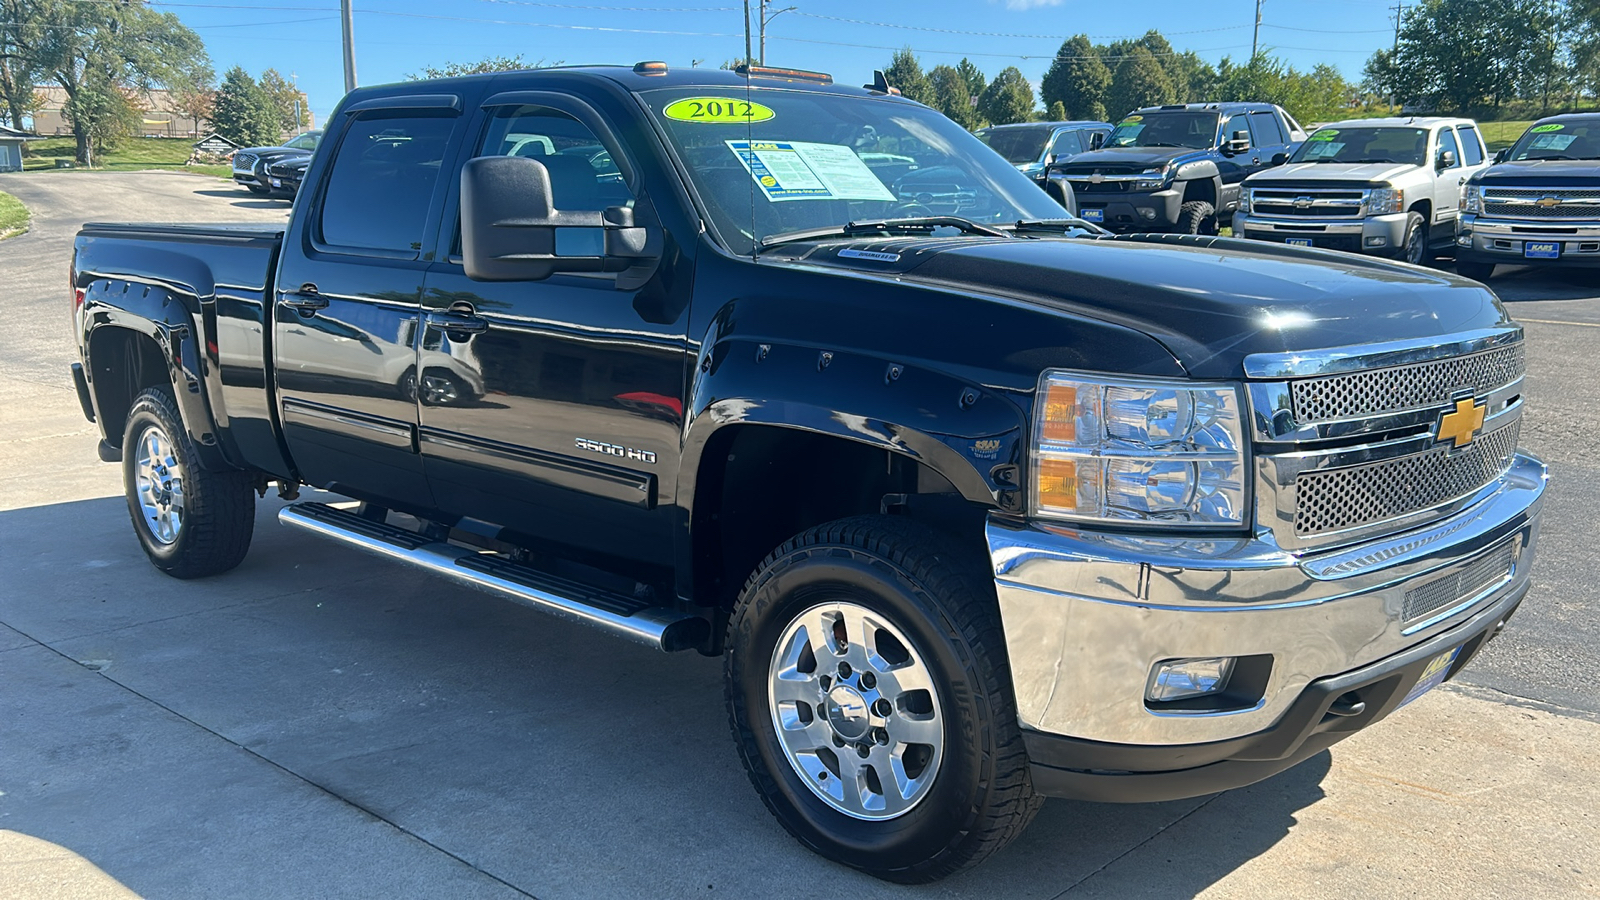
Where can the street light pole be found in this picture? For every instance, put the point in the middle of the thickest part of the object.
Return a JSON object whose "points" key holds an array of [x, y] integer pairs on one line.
{"points": [[1255, 37], [348, 15]]}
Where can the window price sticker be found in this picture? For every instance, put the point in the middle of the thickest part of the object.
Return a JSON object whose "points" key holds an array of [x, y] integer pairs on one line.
{"points": [[797, 170]]}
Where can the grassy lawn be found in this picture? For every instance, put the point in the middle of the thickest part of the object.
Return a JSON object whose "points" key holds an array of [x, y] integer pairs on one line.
{"points": [[135, 154], [1499, 135], [13, 216]]}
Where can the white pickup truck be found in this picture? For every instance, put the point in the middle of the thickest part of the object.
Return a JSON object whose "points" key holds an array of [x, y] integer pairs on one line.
{"points": [[1386, 186]]}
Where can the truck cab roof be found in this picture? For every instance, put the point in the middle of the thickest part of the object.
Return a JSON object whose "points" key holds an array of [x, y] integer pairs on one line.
{"points": [[643, 76]]}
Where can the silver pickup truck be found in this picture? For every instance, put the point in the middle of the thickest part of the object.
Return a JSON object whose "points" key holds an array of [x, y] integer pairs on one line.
{"points": [[1385, 186]]}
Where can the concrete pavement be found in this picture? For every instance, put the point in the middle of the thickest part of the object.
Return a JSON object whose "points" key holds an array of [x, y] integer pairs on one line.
{"points": [[318, 723]]}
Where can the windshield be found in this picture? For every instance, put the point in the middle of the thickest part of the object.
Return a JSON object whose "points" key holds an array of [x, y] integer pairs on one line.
{"points": [[1365, 145], [772, 160], [307, 141], [1166, 129], [1017, 145], [1559, 140]]}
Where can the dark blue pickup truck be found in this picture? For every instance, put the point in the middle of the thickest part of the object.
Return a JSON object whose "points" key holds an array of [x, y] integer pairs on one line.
{"points": [[977, 508]]}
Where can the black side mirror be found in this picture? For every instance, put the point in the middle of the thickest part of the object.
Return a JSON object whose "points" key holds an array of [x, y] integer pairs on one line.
{"points": [[1501, 154], [1097, 140], [1447, 159], [511, 231], [1279, 159], [1239, 143]]}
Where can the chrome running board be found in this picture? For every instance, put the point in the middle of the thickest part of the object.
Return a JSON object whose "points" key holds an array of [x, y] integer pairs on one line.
{"points": [[655, 626]]}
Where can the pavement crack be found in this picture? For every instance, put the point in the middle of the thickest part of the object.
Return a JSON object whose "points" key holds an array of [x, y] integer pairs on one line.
{"points": [[1115, 859], [286, 770]]}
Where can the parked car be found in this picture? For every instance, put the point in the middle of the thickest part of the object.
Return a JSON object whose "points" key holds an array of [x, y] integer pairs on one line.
{"points": [[977, 508], [249, 164], [284, 175], [1539, 204], [1386, 186], [1033, 146], [1176, 168]]}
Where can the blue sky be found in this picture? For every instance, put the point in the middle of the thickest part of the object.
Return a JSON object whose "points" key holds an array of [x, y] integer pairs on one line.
{"points": [[848, 39]]}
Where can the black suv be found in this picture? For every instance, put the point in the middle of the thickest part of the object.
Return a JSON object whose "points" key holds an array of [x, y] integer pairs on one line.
{"points": [[250, 164], [1176, 168]]}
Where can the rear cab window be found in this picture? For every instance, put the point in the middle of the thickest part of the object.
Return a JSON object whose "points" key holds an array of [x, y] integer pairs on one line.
{"points": [[384, 173], [1471, 145]]}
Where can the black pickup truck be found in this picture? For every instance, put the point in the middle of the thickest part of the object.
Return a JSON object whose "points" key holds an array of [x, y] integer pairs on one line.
{"points": [[977, 509]]}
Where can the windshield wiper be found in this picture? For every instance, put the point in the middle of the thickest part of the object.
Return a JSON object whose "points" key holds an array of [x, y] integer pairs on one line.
{"points": [[1159, 144], [912, 224], [1051, 226]]}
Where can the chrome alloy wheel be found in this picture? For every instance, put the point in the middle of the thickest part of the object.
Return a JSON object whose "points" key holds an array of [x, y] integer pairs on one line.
{"points": [[855, 711], [159, 484]]}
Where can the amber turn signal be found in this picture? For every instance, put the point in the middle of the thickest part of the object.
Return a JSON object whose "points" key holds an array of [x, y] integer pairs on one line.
{"points": [[1059, 424], [1058, 484]]}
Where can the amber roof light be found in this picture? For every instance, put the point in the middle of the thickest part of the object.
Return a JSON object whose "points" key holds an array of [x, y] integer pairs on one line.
{"points": [[650, 67], [749, 71]]}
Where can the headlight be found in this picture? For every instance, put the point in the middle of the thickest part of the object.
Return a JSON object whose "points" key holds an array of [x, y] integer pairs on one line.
{"points": [[1471, 199], [1138, 451], [1244, 201], [1385, 200], [1156, 182]]}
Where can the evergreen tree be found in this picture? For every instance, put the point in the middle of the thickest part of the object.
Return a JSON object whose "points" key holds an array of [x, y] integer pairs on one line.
{"points": [[282, 96], [950, 96], [1140, 81], [973, 76], [243, 113], [1057, 112], [1078, 80], [905, 72], [1007, 99]]}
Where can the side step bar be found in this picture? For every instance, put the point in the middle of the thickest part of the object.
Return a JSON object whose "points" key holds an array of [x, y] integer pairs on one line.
{"points": [[655, 626]]}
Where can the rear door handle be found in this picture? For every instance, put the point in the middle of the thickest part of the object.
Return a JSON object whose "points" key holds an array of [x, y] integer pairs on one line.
{"points": [[456, 324], [306, 300]]}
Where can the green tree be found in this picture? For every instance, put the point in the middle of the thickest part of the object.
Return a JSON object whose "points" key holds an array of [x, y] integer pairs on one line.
{"points": [[96, 52], [974, 77], [950, 96], [287, 102], [1467, 56], [905, 72], [1056, 113], [1077, 79], [1193, 79], [243, 113], [1139, 81], [1007, 99], [495, 64], [18, 73]]}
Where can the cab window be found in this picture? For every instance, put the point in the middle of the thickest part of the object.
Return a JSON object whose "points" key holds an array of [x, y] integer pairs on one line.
{"points": [[1471, 145], [583, 175], [1447, 142], [382, 181], [1264, 130]]}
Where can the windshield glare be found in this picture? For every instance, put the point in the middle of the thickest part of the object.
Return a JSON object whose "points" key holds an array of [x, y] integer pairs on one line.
{"points": [[773, 160], [1017, 145], [1365, 145], [307, 141], [1197, 130], [1559, 140]]}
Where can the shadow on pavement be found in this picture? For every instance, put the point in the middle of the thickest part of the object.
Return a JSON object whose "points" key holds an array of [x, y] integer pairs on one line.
{"points": [[1515, 284], [245, 200], [555, 758]]}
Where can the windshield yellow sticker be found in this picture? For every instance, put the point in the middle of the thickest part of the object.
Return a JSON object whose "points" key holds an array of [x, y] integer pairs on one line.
{"points": [[1540, 129], [716, 111], [1131, 119]]}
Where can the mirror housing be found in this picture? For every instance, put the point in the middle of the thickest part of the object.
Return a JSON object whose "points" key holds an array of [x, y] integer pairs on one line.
{"points": [[511, 231], [1239, 143], [1279, 159], [1447, 158], [1097, 140], [1501, 154]]}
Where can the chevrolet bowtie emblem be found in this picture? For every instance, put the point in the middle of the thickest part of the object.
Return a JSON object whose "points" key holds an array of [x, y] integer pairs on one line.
{"points": [[1096, 178], [1462, 425], [1548, 202]]}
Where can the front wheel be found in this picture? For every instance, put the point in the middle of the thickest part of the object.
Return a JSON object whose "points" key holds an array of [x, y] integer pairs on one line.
{"points": [[1197, 217], [1477, 271], [191, 521], [1415, 250], [869, 694]]}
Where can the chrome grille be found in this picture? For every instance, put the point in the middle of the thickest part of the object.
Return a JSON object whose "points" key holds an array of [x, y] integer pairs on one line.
{"points": [[1335, 397], [1304, 203], [1488, 571], [244, 162], [1521, 203], [1339, 499]]}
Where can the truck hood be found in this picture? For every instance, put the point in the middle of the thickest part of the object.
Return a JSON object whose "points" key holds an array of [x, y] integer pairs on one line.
{"points": [[1374, 173], [1132, 157], [1542, 173], [1210, 301]]}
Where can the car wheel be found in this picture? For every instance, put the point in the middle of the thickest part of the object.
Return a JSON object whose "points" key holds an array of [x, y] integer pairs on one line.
{"points": [[442, 389], [191, 521], [1416, 250], [870, 696], [1197, 217], [258, 189], [1477, 271]]}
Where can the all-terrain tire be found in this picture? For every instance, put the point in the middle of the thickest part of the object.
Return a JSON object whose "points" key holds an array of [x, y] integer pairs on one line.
{"points": [[217, 508], [1197, 217], [915, 579], [1477, 271]]}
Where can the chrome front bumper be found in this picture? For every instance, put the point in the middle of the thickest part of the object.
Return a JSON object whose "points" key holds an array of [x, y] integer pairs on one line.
{"points": [[1087, 615], [1391, 228], [1501, 240]]}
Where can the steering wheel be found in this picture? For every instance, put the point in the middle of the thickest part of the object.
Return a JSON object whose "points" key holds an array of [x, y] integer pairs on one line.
{"points": [[909, 209]]}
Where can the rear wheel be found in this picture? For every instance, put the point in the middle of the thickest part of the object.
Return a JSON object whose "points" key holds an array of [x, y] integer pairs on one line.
{"points": [[191, 521], [870, 697], [1197, 217]]}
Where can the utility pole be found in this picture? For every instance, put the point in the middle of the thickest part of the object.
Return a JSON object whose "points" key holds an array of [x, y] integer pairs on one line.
{"points": [[761, 57], [349, 45], [1255, 37], [295, 77], [747, 32], [1398, 7]]}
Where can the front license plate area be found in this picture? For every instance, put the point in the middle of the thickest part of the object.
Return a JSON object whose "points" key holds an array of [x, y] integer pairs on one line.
{"points": [[1433, 675], [1298, 242], [1541, 250], [1092, 215], [277, 182]]}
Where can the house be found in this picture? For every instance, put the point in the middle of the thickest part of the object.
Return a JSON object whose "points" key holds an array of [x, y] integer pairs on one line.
{"points": [[11, 148]]}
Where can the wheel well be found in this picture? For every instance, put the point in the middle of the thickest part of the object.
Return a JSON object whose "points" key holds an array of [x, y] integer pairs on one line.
{"points": [[124, 363], [1200, 189], [760, 485], [1425, 207]]}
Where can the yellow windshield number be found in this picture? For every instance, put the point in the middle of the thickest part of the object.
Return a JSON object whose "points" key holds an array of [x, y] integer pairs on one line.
{"points": [[716, 111]]}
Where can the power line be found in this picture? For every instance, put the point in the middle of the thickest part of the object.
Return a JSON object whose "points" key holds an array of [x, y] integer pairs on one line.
{"points": [[1004, 34]]}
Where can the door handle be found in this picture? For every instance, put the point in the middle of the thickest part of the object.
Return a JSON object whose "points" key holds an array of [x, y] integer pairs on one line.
{"points": [[307, 300], [453, 324]]}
